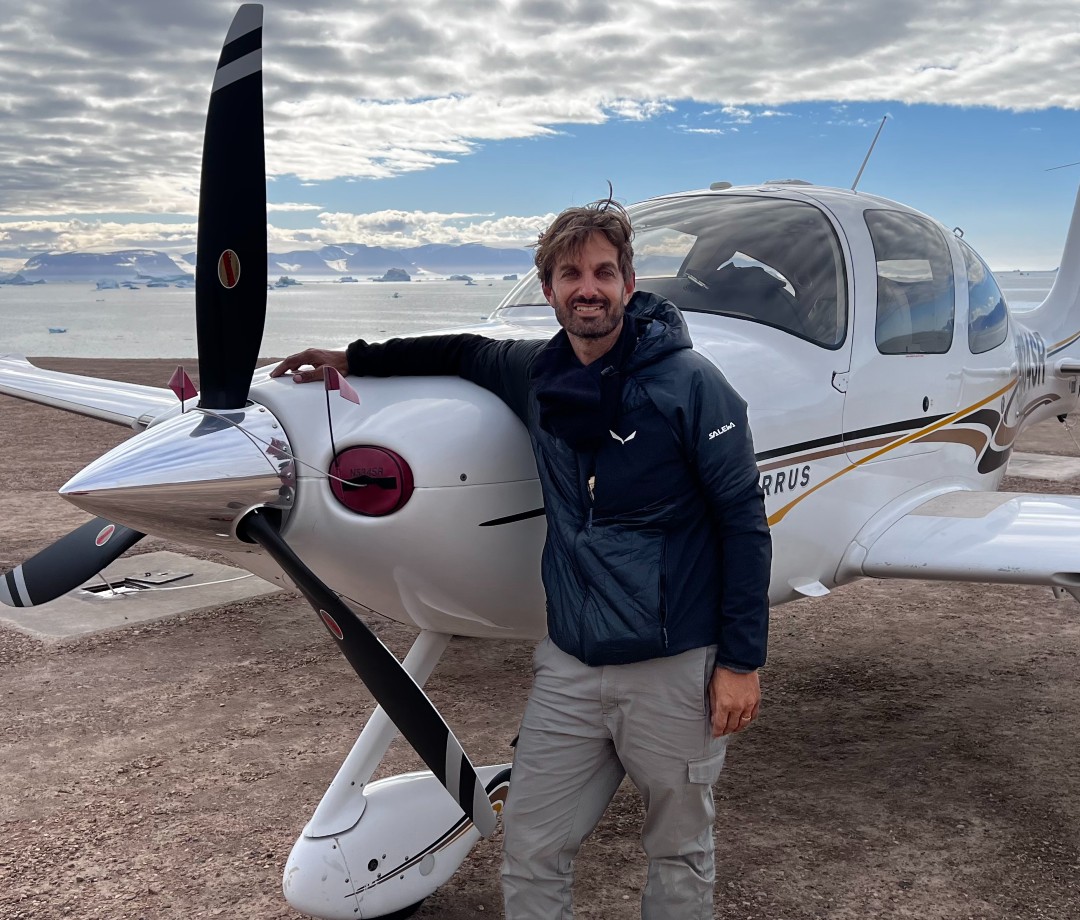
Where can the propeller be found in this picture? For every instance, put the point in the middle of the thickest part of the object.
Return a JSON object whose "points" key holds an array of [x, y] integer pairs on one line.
{"points": [[400, 696], [230, 261], [230, 305], [67, 563]]}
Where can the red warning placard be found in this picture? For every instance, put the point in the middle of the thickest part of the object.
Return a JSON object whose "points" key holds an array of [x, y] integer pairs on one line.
{"points": [[228, 269]]}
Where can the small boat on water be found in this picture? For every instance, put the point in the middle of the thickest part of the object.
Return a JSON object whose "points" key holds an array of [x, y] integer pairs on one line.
{"points": [[58, 329]]}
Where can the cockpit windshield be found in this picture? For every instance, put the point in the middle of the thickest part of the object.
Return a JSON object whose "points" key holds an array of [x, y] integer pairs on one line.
{"points": [[766, 260]]}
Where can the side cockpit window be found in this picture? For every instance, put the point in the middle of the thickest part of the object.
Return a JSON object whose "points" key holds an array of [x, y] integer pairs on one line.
{"points": [[915, 297], [988, 317], [772, 261]]}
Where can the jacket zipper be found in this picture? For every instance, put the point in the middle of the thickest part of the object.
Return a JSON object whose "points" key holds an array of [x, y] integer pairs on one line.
{"points": [[663, 594], [590, 485]]}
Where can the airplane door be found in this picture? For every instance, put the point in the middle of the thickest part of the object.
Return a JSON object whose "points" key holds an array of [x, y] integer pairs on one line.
{"points": [[903, 377]]}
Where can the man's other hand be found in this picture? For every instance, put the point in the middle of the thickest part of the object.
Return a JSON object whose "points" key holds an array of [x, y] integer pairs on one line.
{"points": [[735, 700], [315, 359]]}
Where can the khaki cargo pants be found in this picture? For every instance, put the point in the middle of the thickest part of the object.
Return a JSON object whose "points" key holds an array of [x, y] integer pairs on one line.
{"points": [[583, 730]]}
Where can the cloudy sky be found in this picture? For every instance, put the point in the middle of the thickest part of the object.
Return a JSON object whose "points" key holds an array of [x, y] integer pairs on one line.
{"points": [[475, 120]]}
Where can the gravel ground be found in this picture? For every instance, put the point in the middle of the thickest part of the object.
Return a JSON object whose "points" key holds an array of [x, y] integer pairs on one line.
{"points": [[915, 757]]}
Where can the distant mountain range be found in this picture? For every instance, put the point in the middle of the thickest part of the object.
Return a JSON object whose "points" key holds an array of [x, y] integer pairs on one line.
{"points": [[328, 262], [125, 264], [368, 261]]}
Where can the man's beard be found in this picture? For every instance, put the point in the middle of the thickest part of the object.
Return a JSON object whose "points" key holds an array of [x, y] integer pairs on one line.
{"points": [[589, 327]]}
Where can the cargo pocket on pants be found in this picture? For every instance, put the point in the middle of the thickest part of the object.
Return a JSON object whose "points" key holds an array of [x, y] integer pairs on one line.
{"points": [[706, 770]]}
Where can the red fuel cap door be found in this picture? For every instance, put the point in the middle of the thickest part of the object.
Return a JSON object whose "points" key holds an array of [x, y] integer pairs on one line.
{"points": [[371, 480]]}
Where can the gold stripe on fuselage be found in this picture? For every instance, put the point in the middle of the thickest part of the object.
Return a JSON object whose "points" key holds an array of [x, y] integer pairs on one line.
{"points": [[1072, 338], [777, 516]]}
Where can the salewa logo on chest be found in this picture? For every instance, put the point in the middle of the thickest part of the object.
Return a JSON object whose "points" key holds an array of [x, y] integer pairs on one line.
{"points": [[720, 431], [629, 437]]}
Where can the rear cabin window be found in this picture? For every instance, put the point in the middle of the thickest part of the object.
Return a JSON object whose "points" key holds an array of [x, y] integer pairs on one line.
{"points": [[915, 298], [988, 317], [764, 260]]}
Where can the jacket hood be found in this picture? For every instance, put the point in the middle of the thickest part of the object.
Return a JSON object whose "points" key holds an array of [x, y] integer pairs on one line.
{"points": [[661, 329]]}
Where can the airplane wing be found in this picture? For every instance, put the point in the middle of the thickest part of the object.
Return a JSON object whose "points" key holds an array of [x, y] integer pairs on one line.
{"points": [[1006, 537], [110, 400]]}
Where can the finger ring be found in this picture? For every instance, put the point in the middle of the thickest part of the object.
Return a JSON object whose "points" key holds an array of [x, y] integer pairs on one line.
{"points": [[745, 718]]}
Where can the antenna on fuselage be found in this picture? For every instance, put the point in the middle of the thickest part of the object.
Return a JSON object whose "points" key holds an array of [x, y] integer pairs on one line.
{"points": [[868, 152]]}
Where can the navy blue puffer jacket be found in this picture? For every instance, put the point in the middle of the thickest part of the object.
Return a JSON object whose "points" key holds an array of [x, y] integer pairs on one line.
{"points": [[657, 540]]}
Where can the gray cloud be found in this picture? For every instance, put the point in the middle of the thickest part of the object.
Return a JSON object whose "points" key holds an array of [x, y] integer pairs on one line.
{"points": [[103, 101], [396, 228]]}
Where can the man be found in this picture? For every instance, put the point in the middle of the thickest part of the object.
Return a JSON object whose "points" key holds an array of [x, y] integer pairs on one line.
{"points": [[656, 566]]}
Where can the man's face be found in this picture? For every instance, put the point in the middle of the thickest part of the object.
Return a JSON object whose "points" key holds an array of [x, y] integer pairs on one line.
{"points": [[588, 291]]}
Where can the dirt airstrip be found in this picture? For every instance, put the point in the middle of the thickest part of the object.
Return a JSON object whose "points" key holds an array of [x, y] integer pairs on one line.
{"points": [[916, 756]]}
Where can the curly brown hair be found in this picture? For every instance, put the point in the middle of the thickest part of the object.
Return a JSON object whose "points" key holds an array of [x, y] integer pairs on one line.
{"points": [[569, 231]]}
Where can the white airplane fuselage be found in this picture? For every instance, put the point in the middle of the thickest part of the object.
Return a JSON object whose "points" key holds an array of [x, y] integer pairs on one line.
{"points": [[848, 439]]}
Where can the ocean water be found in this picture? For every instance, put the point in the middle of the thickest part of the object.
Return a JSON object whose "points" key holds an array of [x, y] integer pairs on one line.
{"points": [[1025, 290], [160, 322]]}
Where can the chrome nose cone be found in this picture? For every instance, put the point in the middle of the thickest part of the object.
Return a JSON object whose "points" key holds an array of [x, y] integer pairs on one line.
{"points": [[192, 477]]}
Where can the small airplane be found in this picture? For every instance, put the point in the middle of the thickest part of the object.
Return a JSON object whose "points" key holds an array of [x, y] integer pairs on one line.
{"points": [[887, 382]]}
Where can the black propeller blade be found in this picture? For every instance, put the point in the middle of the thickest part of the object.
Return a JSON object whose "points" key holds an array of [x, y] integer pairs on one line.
{"points": [[67, 563], [404, 701], [230, 269]]}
